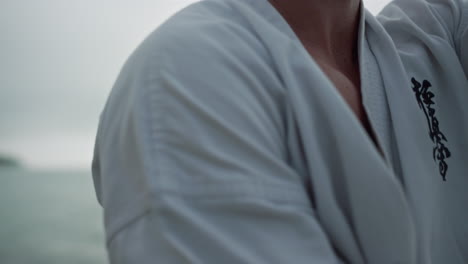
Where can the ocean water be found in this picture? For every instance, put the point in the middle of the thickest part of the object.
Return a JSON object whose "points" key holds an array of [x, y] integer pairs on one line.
{"points": [[49, 217]]}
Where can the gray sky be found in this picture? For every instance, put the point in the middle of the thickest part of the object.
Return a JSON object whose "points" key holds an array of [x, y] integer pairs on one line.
{"points": [[59, 60]]}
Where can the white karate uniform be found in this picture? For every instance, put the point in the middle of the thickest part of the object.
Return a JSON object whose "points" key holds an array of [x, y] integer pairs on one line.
{"points": [[223, 141]]}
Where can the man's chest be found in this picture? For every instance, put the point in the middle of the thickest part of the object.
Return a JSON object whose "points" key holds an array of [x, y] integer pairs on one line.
{"points": [[348, 85]]}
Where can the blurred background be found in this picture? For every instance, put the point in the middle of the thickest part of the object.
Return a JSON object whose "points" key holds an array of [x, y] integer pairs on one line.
{"points": [[58, 62]]}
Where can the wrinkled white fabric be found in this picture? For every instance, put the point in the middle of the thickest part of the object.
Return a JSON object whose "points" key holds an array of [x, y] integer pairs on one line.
{"points": [[222, 141]]}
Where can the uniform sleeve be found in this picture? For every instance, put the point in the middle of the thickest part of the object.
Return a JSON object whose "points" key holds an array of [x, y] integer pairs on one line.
{"points": [[190, 159], [442, 19]]}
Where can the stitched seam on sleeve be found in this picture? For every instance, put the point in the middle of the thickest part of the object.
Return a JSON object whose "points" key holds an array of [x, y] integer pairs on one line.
{"points": [[139, 205], [153, 117], [267, 191], [278, 194], [122, 220]]}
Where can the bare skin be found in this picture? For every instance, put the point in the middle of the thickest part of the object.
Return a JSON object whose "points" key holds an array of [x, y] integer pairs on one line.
{"points": [[329, 32]]}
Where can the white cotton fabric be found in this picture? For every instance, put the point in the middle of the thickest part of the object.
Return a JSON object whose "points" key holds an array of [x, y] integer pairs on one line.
{"points": [[222, 141]]}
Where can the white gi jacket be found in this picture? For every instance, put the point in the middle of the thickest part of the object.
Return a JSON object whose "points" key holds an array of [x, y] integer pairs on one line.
{"points": [[222, 141]]}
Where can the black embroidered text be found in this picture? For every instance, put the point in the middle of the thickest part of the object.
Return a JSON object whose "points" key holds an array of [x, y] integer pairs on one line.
{"points": [[425, 101]]}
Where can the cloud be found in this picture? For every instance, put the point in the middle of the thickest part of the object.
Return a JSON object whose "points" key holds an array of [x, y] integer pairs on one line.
{"points": [[59, 62]]}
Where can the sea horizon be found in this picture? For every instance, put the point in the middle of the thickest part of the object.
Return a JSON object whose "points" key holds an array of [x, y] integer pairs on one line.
{"points": [[50, 216]]}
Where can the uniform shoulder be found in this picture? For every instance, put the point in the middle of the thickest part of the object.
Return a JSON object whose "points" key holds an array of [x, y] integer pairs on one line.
{"points": [[206, 48], [199, 31], [424, 18]]}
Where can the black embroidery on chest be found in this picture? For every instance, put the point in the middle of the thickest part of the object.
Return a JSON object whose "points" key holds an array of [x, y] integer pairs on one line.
{"points": [[426, 102]]}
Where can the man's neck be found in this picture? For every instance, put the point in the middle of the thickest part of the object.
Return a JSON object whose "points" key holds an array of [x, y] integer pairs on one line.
{"points": [[329, 27]]}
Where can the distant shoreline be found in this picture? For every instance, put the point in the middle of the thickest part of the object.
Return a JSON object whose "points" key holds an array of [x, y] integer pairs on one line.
{"points": [[9, 162]]}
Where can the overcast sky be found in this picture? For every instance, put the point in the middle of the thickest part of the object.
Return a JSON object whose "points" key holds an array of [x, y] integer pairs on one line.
{"points": [[58, 62]]}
